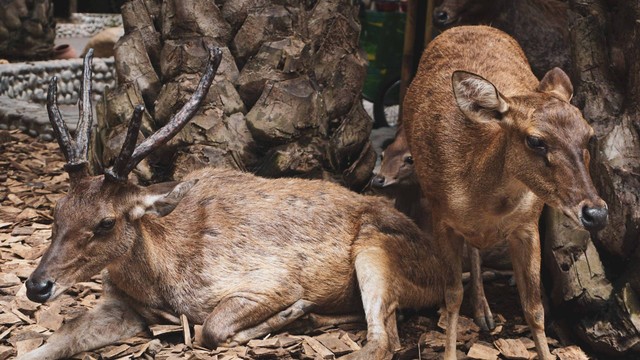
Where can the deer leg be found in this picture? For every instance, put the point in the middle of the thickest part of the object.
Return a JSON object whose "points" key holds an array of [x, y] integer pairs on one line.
{"points": [[481, 311], [274, 323], [240, 318], [452, 244], [379, 308], [110, 321], [524, 246]]}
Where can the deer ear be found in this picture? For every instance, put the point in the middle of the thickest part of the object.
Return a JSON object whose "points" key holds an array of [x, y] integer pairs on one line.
{"points": [[477, 98], [161, 199], [556, 83]]}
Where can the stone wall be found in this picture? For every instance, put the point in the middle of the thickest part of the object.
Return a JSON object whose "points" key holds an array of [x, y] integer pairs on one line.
{"points": [[87, 25], [29, 81]]}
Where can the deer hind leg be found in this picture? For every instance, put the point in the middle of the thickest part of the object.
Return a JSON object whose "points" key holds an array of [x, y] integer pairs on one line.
{"points": [[242, 317], [373, 275], [524, 246], [110, 321], [481, 311]]}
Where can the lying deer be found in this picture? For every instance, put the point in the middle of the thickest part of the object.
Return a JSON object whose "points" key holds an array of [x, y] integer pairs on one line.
{"points": [[397, 178], [491, 146], [243, 256]]}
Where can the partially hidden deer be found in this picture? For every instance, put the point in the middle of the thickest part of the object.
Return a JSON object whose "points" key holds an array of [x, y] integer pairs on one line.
{"points": [[397, 178], [540, 26], [491, 145], [243, 256]]}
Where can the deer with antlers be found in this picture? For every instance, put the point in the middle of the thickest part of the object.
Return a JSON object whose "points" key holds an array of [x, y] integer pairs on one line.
{"points": [[243, 256]]}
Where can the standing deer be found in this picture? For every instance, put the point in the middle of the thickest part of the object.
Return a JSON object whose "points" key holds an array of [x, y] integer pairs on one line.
{"points": [[243, 256], [397, 178], [491, 145]]}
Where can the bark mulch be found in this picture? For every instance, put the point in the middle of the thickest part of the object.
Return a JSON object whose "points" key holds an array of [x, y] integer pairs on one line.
{"points": [[31, 180]]}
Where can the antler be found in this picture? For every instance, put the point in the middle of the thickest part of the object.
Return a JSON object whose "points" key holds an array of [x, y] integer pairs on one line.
{"points": [[75, 152], [130, 155]]}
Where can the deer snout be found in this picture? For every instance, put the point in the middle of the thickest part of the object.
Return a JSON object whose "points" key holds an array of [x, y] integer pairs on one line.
{"points": [[441, 17], [594, 218], [39, 290], [378, 181]]}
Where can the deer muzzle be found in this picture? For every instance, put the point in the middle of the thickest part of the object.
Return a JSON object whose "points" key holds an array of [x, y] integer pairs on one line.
{"points": [[594, 218], [39, 290]]}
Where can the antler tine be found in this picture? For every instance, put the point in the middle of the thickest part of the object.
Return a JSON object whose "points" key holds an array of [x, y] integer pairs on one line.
{"points": [[57, 123], [181, 118], [117, 172], [83, 131]]}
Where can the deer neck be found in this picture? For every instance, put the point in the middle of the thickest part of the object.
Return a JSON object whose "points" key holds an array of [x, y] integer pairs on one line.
{"points": [[147, 264]]}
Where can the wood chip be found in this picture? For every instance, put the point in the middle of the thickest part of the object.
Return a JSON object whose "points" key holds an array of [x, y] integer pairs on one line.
{"points": [[186, 332], [24, 346], [320, 349], [165, 329], [334, 344], [15, 199], [570, 353], [9, 319], [22, 231], [9, 279], [512, 349], [115, 351], [434, 339], [481, 351], [267, 343], [50, 317], [350, 343], [6, 352]]}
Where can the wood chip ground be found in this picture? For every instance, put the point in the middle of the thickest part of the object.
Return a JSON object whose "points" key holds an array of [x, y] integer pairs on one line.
{"points": [[31, 180]]}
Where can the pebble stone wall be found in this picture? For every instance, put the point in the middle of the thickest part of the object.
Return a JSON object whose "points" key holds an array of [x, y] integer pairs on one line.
{"points": [[29, 81], [87, 25]]}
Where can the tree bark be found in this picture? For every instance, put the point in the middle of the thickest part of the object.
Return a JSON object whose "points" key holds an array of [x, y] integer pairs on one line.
{"points": [[285, 102], [596, 292]]}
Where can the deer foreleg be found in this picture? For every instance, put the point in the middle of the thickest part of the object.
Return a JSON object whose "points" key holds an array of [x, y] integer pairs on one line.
{"points": [[524, 246], [452, 244], [245, 316], [481, 311], [110, 321]]}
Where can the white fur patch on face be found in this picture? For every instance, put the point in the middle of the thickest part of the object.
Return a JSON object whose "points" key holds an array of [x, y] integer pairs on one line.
{"points": [[145, 205]]}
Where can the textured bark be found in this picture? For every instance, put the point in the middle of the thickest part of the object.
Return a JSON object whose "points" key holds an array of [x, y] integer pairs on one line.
{"points": [[286, 99], [601, 307], [27, 30]]}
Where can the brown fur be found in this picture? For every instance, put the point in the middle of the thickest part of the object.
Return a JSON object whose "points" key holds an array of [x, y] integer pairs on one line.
{"points": [[468, 133], [539, 26], [397, 179], [240, 254]]}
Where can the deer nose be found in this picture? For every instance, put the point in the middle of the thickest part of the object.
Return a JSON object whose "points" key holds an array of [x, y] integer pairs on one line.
{"points": [[594, 218], [440, 17], [377, 181], [39, 290]]}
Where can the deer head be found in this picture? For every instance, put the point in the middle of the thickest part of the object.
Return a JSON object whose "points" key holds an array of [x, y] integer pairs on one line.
{"points": [[95, 223], [547, 141], [396, 165]]}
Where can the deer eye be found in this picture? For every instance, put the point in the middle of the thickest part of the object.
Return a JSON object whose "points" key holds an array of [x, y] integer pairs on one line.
{"points": [[536, 144], [105, 225], [408, 159]]}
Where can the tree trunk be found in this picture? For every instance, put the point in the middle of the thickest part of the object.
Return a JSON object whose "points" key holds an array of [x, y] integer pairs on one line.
{"points": [[27, 30], [600, 303], [285, 102]]}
